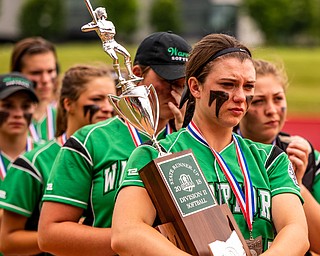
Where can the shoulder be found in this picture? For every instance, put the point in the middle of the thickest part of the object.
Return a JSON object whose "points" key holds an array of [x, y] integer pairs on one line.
{"points": [[267, 152], [109, 127]]}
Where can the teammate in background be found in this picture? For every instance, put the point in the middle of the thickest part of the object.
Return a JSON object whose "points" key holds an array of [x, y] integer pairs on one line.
{"points": [[263, 123], [88, 168], [17, 102], [83, 101], [36, 58], [221, 80]]}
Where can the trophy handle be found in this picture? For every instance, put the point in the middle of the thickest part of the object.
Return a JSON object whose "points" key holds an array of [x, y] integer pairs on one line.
{"points": [[157, 110], [114, 100]]}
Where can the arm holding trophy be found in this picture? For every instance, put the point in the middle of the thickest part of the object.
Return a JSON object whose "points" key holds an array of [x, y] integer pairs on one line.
{"points": [[255, 181]]}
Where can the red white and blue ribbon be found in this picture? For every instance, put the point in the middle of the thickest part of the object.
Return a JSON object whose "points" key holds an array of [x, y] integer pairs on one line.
{"points": [[3, 169], [50, 126], [63, 139], [50, 123], [246, 201], [33, 132], [134, 134]]}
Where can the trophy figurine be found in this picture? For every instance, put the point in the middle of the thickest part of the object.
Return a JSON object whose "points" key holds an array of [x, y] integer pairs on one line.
{"points": [[106, 31], [189, 214]]}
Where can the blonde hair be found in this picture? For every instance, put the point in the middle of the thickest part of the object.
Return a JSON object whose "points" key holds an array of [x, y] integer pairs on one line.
{"points": [[264, 67]]}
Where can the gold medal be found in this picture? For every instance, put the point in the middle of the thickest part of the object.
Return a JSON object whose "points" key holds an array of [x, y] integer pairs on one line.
{"points": [[255, 245]]}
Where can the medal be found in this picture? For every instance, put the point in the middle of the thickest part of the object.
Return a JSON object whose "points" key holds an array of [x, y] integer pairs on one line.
{"points": [[255, 245]]}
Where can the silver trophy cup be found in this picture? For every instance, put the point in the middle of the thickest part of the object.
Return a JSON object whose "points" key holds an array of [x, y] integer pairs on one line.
{"points": [[138, 105]]}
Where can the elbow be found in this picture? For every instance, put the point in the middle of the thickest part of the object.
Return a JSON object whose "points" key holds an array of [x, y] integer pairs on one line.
{"points": [[118, 242], [43, 240]]}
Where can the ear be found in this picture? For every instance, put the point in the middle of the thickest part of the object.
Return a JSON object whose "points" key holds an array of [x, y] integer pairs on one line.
{"points": [[136, 70], [194, 87], [68, 105]]}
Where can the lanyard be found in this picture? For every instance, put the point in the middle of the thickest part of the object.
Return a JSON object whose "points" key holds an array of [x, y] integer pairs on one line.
{"points": [[246, 201], [49, 125], [136, 136], [3, 169]]}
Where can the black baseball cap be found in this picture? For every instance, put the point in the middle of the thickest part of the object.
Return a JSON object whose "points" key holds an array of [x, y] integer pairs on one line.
{"points": [[13, 82], [166, 53]]}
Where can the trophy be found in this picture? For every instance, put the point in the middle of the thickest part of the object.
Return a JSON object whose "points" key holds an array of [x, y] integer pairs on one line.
{"points": [[190, 216]]}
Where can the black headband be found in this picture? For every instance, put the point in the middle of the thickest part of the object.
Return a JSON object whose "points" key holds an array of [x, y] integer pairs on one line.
{"points": [[220, 53], [186, 92]]}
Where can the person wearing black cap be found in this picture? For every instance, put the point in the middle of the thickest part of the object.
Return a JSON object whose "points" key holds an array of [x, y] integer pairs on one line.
{"points": [[160, 60], [17, 103], [88, 169]]}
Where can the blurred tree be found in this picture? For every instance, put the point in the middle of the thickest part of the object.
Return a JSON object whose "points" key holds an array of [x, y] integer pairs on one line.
{"points": [[42, 18], [123, 14], [165, 15], [285, 21]]}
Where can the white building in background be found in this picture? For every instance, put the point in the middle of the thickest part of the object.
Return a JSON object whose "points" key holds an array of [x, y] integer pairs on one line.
{"points": [[9, 13], [199, 17]]}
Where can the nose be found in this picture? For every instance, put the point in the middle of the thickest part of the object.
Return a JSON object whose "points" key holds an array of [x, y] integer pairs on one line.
{"points": [[239, 95], [107, 107], [17, 112], [270, 108]]}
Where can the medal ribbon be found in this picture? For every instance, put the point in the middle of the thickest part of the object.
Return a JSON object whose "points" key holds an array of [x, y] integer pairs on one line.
{"points": [[246, 201], [50, 126], [3, 170], [50, 123], [33, 132], [63, 139], [136, 136]]}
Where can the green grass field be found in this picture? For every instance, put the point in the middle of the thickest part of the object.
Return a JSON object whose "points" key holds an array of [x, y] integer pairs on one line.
{"points": [[302, 65]]}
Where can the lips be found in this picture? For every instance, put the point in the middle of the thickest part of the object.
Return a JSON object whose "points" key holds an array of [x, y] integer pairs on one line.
{"points": [[272, 123], [237, 111]]}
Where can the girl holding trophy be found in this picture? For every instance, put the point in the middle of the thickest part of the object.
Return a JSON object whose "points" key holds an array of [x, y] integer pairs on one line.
{"points": [[221, 78]]}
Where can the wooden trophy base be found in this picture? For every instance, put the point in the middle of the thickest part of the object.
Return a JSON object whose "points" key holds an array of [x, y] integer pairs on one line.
{"points": [[188, 211]]}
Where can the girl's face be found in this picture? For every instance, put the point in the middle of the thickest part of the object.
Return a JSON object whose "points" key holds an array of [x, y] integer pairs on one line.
{"points": [[267, 113], [226, 93], [93, 105], [15, 113], [41, 68]]}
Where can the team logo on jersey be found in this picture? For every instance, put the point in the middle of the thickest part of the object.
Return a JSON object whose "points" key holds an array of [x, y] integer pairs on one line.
{"points": [[186, 182], [292, 174]]}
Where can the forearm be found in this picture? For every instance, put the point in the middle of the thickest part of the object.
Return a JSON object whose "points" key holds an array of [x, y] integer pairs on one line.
{"points": [[312, 210], [70, 238], [289, 241], [20, 242], [143, 241]]}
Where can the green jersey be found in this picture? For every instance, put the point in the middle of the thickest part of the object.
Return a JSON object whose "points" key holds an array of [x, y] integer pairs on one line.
{"points": [[25, 182], [316, 183], [44, 129], [269, 167], [88, 169]]}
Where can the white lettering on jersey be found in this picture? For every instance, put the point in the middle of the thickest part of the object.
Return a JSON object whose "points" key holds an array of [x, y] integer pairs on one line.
{"points": [[110, 177], [265, 203], [49, 186], [133, 172], [292, 174], [3, 194]]}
